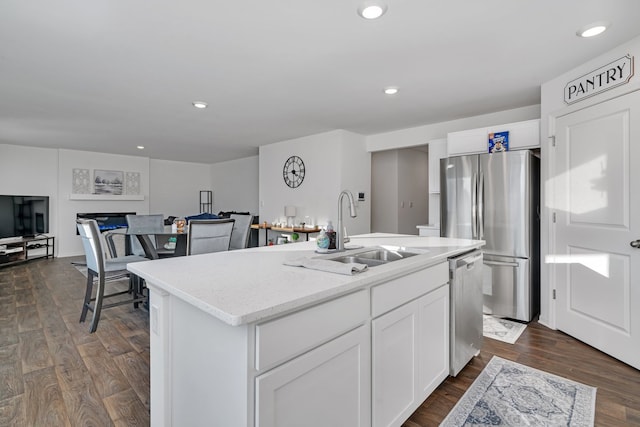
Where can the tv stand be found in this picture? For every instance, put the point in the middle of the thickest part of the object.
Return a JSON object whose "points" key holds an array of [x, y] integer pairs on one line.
{"points": [[15, 250]]}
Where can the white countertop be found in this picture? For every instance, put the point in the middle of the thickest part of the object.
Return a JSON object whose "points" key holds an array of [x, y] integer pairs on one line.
{"points": [[245, 286]]}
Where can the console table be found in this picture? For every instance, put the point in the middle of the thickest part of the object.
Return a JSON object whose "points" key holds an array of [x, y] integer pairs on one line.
{"points": [[22, 249], [299, 230]]}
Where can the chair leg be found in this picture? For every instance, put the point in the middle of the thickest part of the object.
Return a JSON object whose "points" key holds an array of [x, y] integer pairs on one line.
{"points": [[134, 284], [87, 296], [97, 307]]}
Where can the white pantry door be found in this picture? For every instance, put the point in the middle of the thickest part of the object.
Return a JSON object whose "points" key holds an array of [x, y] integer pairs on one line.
{"points": [[597, 209]]}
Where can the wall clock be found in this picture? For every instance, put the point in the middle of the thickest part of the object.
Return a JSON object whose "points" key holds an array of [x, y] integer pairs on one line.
{"points": [[293, 171]]}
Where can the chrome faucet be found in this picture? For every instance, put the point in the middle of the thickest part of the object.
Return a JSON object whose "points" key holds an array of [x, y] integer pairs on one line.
{"points": [[352, 211]]}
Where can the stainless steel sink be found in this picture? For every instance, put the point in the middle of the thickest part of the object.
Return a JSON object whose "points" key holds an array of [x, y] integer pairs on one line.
{"points": [[352, 258], [374, 257]]}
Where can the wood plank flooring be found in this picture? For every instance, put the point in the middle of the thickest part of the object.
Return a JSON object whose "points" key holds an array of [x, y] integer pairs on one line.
{"points": [[54, 373]]}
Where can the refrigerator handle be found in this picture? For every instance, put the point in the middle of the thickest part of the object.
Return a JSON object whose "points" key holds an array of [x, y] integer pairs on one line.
{"points": [[481, 207], [474, 207]]}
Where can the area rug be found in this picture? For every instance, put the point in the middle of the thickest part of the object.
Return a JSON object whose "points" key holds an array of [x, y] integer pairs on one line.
{"points": [[502, 329], [510, 394]]}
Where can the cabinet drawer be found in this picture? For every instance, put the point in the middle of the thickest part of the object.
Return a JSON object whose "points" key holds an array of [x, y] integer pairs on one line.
{"points": [[281, 339], [392, 294]]}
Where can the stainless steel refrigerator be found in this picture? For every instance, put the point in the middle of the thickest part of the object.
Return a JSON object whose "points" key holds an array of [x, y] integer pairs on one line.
{"points": [[496, 198]]}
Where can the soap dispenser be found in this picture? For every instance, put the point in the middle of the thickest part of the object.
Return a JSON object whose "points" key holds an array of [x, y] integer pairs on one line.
{"points": [[322, 241], [331, 233]]}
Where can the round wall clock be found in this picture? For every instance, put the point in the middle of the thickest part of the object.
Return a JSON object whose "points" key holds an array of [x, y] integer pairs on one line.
{"points": [[293, 171]]}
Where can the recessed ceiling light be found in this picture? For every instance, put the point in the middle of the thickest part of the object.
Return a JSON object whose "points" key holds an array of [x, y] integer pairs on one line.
{"points": [[199, 104], [140, 147], [372, 10], [592, 29], [390, 90]]}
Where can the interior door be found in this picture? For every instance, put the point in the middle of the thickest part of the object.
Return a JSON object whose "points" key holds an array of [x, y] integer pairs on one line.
{"points": [[597, 208]]}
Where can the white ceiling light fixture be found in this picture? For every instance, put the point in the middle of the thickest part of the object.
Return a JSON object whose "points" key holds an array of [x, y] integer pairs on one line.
{"points": [[592, 30], [199, 104], [391, 90], [372, 10], [140, 147]]}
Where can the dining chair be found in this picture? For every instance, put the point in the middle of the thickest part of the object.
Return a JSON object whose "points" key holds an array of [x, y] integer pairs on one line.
{"points": [[147, 224], [209, 235], [241, 230], [100, 270]]}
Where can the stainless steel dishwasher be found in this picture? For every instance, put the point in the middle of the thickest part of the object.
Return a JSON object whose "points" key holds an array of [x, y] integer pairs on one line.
{"points": [[465, 273]]}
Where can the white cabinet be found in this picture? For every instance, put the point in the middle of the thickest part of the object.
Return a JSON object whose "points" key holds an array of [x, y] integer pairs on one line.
{"points": [[370, 357], [522, 135], [428, 230], [328, 386], [437, 151], [472, 141], [410, 346], [394, 367]]}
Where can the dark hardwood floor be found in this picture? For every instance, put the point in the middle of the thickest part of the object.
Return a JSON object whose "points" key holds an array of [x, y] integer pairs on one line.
{"points": [[54, 373]]}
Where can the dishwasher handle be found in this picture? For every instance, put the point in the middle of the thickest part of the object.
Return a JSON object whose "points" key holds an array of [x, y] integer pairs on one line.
{"points": [[468, 261]]}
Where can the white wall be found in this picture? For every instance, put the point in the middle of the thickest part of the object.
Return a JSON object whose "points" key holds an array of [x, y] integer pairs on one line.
{"points": [[31, 171], [235, 185], [421, 135], [552, 95], [68, 243], [169, 188], [174, 187], [356, 177], [334, 161]]}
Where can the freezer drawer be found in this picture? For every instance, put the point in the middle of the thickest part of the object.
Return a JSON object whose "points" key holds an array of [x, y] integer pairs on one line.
{"points": [[508, 289]]}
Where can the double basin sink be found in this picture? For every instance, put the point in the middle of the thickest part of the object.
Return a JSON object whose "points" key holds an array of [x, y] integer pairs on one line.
{"points": [[374, 256]]}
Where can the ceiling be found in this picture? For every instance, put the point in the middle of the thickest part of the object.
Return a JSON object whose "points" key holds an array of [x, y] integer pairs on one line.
{"points": [[109, 75]]}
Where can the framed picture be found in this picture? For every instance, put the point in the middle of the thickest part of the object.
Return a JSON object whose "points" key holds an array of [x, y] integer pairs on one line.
{"points": [[108, 182]]}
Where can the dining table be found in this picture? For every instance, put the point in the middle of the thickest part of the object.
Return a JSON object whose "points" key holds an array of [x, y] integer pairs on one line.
{"points": [[147, 235]]}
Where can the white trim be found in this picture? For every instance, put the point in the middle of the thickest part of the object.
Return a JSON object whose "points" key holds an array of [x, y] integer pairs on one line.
{"points": [[106, 197]]}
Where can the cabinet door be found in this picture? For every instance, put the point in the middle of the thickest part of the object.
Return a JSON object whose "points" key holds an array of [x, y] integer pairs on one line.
{"points": [[394, 367], [522, 135], [433, 340], [471, 141], [328, 386]]}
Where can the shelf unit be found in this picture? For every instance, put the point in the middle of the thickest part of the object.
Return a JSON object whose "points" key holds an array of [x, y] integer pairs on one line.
{"points": [[206, 201], [23, 249]]}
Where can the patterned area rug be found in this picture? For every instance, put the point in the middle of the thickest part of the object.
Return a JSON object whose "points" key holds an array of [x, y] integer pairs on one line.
{"points": [[510, 394], [502, 329]]}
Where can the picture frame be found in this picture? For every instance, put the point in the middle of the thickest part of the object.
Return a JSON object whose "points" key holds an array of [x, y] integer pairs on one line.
{"points": [[108, 182]]}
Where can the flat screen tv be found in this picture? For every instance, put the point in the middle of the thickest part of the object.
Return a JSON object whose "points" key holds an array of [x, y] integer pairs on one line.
{"points": [[23, 216]]}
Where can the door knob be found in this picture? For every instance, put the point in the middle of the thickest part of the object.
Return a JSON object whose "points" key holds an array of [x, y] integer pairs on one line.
{"points": [[635, 244]]}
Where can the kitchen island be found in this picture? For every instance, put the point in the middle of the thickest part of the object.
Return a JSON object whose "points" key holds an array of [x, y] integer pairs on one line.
{"points": [[239, 339]]}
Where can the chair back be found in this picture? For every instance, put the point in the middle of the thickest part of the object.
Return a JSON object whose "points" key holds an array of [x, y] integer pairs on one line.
{"points": [[240, 232], [90, 233], [144, 223], [209, 235]]}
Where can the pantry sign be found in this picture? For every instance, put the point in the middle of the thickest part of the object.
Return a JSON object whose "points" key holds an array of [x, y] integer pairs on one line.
{"points": [[604, 78]]}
